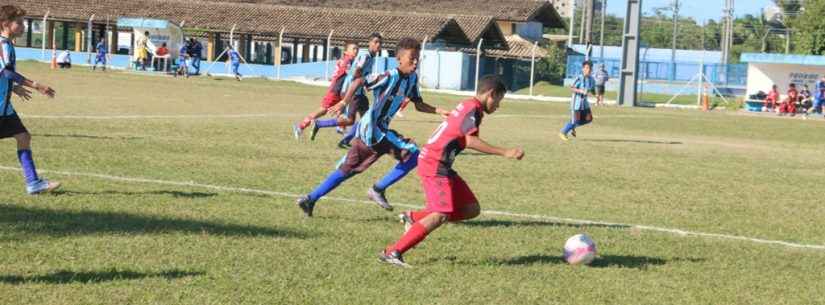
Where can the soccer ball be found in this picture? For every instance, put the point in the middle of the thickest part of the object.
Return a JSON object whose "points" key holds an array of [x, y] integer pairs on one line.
{"points": [[579, 250]]}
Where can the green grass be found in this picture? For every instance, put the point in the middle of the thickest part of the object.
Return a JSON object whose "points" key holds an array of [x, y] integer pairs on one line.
{"points": [[547, 89], [105, 241]]}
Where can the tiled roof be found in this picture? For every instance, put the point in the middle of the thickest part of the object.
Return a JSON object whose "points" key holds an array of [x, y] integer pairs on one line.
{"points": [[258, 19], [520, 48]]}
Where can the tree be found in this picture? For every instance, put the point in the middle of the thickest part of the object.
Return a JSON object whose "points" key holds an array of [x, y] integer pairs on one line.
{"points": [[811, 23]]}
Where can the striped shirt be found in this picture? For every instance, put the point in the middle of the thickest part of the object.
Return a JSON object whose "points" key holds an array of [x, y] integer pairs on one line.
{"points": [[586, 83], [7, 62], [391, 89], [365, 62]]}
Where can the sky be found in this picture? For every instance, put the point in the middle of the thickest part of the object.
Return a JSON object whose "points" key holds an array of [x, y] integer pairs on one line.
{"points": [[700, 10]]}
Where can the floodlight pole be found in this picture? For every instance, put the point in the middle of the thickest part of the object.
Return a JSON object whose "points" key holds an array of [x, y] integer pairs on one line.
{"points": [[572, 23], [329, 55], [630, 54], [281, 53], [45, 31], [533, 65], [478, 61]]}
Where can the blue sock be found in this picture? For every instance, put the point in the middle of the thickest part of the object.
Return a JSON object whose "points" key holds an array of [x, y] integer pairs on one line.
{"points": [[398, 172], [27, 163], [326, 123], [567, 128], [350, 134], [332, 181]]}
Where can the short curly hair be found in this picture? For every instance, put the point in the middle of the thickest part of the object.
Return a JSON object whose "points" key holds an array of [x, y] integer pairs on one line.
{"points": [[11, 13], [408, 43]]}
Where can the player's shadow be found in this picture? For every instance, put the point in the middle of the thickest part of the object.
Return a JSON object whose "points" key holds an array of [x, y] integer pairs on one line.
{"points": [[176, 194], [604, 261], [81, 136], [632, 141], [92, 277], [27, 221], [498, 223]]}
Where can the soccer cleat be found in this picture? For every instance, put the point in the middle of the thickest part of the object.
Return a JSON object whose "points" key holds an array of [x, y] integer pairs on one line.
{"points": [[315, 130], [573, 133], [297, 131], [344, 145], [379, 198], [341, 130], [564, 137], [42, 186], [393, 258], [406, 220], [306, 205]]}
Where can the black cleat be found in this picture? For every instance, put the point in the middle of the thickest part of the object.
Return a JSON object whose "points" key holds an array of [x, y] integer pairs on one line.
{"points": [[306, 205], [393, 258], [379, 198], [314, 133], [344, 145]]}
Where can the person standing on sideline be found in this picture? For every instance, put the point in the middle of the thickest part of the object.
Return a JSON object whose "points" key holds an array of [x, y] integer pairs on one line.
{"points": [[601, 81]]}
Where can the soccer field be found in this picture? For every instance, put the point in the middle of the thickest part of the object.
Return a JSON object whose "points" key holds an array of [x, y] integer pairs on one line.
{"points": [[182, 192]]}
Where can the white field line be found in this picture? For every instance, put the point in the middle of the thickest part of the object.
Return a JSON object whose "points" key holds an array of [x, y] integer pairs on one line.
{"points": [[487, 212], [160, 116]]}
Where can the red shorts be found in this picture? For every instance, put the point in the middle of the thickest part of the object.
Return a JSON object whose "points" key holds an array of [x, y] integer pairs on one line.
{"points": [[330, 100], [448, 194]]}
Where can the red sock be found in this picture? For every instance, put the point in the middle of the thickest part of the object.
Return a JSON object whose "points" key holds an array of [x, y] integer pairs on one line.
{"points": [[419, 215], [305, 122], [415, 235]]}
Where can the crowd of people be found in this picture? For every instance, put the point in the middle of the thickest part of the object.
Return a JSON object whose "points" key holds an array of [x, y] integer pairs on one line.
{"points": [[795, 101]]}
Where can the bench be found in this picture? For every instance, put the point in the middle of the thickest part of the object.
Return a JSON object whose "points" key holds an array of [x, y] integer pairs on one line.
{"points": [[754, 105]]}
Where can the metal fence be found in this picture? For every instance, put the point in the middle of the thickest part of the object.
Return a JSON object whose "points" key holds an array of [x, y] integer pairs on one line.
{"points": [[719, 74]]}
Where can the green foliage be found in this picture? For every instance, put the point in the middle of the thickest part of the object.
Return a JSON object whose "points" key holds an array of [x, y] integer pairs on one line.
{"points": [[553, 67], [810, 29]]}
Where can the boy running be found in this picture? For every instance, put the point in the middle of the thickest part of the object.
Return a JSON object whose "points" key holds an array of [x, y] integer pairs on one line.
{"points": [[101, 55], [183, 68], [374, 137], [235, 61], [579, 106], [449, 199], [11, 26], [333, 95], [355, 96]]}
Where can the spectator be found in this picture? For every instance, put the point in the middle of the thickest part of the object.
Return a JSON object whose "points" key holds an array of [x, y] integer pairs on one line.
{"points": [[64, 60], [805, 100], [789, 104], [142, 51], [234, 59], [771, 100], [195, 50], [601, 80], [162, 53]]}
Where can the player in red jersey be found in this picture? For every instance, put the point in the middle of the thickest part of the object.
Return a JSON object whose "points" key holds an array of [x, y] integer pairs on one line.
{"points": [[334, 93], [448, 196]]}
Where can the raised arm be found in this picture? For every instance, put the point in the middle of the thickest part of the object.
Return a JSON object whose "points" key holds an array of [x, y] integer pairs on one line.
{"points": [[477, 144]]}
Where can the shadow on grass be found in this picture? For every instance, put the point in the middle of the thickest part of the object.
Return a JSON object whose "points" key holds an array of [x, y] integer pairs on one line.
{"points": [[176, 194], [81, 136], [486, 223], [91, 277], [605, 261], [55, 222], [631, 141]]}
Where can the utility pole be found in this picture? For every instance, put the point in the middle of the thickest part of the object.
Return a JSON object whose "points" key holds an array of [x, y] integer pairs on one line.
{"points": [[572, 23], [676, 5], [727, 31], [601, 33], [583, 21], [588, 27]]}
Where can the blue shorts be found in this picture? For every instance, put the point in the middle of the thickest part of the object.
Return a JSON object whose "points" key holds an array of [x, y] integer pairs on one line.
{"points": [[101, 58], [818, 105]]}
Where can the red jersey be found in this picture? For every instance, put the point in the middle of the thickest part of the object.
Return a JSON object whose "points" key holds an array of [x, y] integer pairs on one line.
{"points": [[338, 77], [449, 140], [793, 95]]}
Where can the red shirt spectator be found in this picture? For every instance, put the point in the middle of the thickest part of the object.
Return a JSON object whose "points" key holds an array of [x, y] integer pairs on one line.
{"points": [[772, 99], [162, 51]]}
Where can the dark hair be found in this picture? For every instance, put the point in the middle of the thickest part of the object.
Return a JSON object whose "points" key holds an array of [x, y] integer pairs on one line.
{"points": [[587, 63], [146, 33], [492, 82], [375, 35], [349, 43], [793, 85], [408, 43], [11, 12]]}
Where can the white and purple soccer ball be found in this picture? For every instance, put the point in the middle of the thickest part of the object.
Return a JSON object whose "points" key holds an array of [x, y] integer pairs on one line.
{"points": [[579, 250]]}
